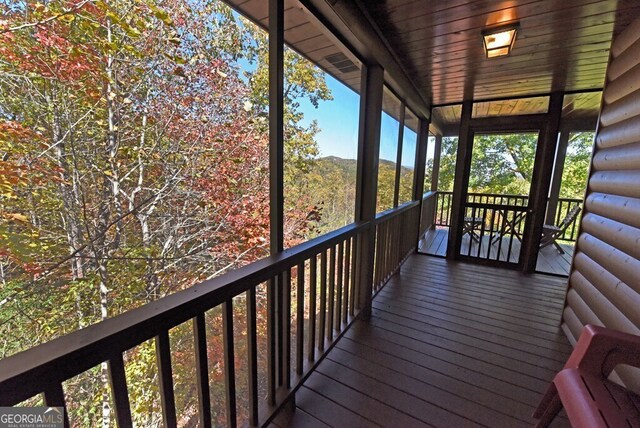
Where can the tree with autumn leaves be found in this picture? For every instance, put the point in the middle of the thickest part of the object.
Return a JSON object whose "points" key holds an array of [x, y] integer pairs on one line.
{"points": [[133, 152]]}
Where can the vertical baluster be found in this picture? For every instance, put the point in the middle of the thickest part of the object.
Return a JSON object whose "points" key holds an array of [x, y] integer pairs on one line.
{"points": [[118, 381], [202, 370], [348, 285], [339, 286], [391, 245], [167, 398], [300, 320], [280, 325], [471, 229], [229, 362], [354, 272], [384, 253], [511, 235], [331, 297], [393, 238], [54, 397], [484, 218], [252, 355], [503, 215], [382, 250], [323, 299], [271, 342], [491, 230], [388, 250], [377, 256], [313, 283], [286, 321]]}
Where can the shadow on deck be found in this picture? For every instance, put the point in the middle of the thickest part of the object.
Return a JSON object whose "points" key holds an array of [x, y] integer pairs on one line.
{"points": [[549, 259], [448, 345]]}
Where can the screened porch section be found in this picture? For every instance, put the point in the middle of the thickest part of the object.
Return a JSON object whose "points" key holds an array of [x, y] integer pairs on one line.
{"points": [[312, 212]]}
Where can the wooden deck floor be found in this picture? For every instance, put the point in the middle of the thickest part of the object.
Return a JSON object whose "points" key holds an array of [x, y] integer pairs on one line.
{"points": [[549, 260], [448, 345]]}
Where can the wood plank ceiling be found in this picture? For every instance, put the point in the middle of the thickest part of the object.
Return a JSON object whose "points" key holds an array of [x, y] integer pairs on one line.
{"points": [[561, 45]]}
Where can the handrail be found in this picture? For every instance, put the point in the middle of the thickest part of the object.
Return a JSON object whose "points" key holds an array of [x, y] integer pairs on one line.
{"points": [[77, 352], [429, 194], [496, 207], [336, 256], [393, 212]]}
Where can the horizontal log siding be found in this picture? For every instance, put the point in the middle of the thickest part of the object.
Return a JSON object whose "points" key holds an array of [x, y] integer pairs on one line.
{"points": [[604, 283]]}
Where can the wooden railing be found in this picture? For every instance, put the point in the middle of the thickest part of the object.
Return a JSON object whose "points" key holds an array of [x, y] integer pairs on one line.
{"points": [[428, 211], [326, 275], [396, 237], [444, 204], [497, 199], [491, 230]]}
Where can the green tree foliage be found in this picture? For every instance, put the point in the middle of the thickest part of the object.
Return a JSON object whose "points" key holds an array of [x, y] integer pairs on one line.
{"points": [[134, 163], [447, 173], [504, 164], [576, 165]]}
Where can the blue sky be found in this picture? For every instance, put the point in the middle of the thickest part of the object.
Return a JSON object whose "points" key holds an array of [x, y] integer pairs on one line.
{"points": [[338, 121]]}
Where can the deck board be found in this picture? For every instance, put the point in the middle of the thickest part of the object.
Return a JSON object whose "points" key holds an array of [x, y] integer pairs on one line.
{"points": [[549, 259], [448, 344]]}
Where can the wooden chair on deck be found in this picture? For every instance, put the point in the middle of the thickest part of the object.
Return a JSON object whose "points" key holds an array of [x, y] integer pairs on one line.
{"points": [[473, 226], [582, 387], [550, 233]]}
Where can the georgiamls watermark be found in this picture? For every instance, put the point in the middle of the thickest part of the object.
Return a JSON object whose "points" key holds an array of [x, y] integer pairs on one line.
{"points": [[31, 417]]}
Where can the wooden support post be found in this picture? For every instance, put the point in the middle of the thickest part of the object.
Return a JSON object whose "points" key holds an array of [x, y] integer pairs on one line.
{"points": [[541, 181], [419, 168], [461, 180], [556, 181], [435, 173], [276, 125], [421, 159], [396, 190], [275, 296], [367, 177]]}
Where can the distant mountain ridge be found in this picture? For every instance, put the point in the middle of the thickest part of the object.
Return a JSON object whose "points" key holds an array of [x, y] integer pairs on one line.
{"points": [[353, 163]]}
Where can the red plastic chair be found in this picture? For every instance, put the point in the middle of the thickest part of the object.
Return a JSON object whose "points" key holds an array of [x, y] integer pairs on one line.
{"points": [[582, 387]]}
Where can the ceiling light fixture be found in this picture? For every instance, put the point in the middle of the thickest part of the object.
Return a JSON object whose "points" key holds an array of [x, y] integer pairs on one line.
{"points": [[499, 41]]}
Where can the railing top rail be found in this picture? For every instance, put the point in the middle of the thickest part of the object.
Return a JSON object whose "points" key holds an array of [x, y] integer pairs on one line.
{"points": [[498, 195], [570, 199], [74, 353], [497, 207], [504, 195], [429, 194], [392, 212]]}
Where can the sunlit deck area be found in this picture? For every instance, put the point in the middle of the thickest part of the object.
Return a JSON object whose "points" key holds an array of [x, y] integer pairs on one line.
{"points": [[434, 242], [448, 345]]}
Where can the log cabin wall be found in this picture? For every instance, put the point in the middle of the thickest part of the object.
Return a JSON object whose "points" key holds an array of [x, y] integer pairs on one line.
{"points": [[604, 283]]}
